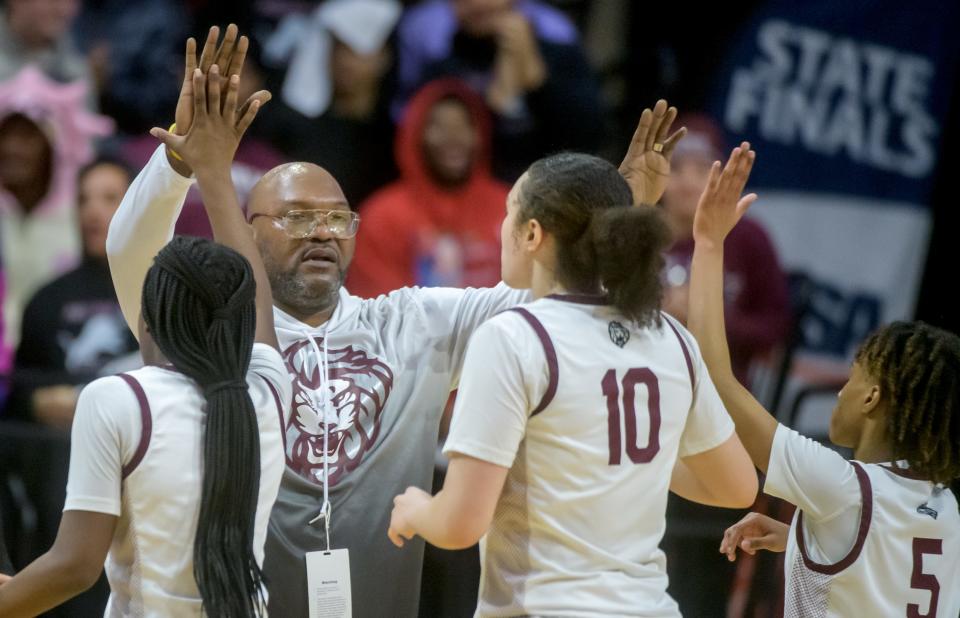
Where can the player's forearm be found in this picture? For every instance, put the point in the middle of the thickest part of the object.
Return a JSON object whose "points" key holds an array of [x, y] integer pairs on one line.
{"points": [[445, 524], [705, 317], [231, 229], [755, 426], [46, 583], [142, 225], [685, 484]]}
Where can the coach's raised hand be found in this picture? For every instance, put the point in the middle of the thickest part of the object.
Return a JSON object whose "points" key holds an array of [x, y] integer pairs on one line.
{"points": [[228, 57], [646, 167]]}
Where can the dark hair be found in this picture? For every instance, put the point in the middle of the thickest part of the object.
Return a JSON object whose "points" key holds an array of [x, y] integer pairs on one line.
{"points": [[918, 370], [112, 161], [198, 305], [604, 245]]}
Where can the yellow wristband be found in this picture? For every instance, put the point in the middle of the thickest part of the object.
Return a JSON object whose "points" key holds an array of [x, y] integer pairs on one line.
{"points": [[173, 153]]}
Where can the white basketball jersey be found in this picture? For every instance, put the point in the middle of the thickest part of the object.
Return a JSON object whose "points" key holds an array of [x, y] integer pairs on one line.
{"points": [[590, 415], [137, 452], [905, 559]]}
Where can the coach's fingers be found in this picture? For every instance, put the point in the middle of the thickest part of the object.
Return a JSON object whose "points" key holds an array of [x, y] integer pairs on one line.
{"points": [[664, 130], [671, 142], [659, 113], [244, 123], [639, 141], [260, 95], [225, 51], [209, 53], [238, 57], [190, 59]]}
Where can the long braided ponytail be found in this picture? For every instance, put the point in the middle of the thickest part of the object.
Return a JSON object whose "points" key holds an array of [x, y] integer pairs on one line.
{"points": [[198, 304]]}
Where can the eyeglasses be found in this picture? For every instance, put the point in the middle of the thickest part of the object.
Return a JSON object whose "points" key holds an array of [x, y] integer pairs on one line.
{"points": [[340, 224]]}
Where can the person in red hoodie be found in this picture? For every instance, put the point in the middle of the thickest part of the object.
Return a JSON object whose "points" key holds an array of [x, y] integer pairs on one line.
{"points": [[439, 224]]}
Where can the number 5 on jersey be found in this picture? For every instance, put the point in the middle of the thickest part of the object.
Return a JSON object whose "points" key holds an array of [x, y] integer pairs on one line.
{"points": [[621, 404]]}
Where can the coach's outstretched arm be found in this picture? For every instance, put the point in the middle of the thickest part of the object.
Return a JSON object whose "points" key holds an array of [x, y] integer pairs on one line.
{"points": [[145, 221], [721, 207]]}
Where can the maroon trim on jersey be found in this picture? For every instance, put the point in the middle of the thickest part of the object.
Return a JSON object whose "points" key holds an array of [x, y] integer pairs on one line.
{"points": [[146, 419], [686, 352], [866, 515], [551, 354], [581, 299], [906, 473], [276, 400]]}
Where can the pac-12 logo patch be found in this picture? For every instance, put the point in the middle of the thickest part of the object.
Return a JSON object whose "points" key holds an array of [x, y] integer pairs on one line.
{"points": [[618, 334]]}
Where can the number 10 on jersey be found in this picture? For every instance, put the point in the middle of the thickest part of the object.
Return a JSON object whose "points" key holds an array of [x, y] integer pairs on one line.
{"points": [[621, 404]]}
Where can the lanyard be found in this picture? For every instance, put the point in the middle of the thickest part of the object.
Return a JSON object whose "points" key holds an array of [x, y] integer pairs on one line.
{"points": [[326, 511]]}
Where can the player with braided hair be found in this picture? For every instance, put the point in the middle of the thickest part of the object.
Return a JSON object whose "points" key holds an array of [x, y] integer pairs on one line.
{"points": [[918, 367], [876, 536], [175, 467]]}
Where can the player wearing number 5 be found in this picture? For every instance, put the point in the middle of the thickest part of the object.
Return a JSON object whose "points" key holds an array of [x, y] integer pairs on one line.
{"points": [[878, 536], [576, 410]]}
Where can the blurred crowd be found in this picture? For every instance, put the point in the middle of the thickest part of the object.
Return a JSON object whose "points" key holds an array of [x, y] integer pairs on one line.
{"points": [[424, 111]]}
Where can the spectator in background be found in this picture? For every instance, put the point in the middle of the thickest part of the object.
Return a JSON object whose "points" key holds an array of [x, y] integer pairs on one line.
{"points": [[73, 331], [334, 108], [758, 309], [524, 56], [134, 47], [439, 225], [46, 134], [36, 32]]}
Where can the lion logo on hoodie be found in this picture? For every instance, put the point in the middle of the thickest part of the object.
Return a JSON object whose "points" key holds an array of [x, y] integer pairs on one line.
{"points": [[358, 387]]}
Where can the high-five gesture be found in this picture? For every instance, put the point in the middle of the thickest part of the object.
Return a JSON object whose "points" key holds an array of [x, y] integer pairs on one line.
{"points": [[216, 129], [208, 148], [228, 57], [721, 204], [646, 167]]}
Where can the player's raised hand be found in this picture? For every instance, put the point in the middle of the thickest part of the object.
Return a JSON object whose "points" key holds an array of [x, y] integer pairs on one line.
{"points": [[721, 205], [404, 506], [217, 125], [646, 167], [752, 533]]}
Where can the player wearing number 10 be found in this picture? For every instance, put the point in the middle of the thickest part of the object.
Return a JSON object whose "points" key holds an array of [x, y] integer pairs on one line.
{"points": [[578, 412]]}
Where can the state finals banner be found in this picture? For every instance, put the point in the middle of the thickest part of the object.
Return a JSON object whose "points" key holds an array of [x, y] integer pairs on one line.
{"points": [[844, 104]]}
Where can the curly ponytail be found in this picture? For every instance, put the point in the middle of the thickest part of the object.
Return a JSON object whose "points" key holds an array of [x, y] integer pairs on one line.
{"points": [[604, 245]]}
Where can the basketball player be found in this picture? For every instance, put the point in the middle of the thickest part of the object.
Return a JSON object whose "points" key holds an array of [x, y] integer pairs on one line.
{"points": [[174, 467], [578, 412], [877, 536], [388, 363]]}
